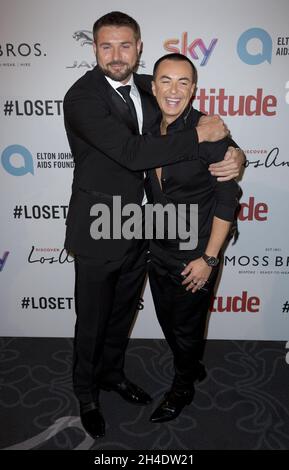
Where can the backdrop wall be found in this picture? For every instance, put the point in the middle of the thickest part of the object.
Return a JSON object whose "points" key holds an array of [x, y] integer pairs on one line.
{"points": [[241, 50]]}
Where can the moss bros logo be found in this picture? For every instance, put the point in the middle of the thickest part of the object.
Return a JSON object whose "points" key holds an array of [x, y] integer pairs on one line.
{"points": [[20, 54], [274, 261], [23, 49], [197, 49]]}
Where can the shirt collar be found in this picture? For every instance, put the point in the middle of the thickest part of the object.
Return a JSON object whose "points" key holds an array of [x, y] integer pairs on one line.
{"points": [[182, 119], [116, 84]]}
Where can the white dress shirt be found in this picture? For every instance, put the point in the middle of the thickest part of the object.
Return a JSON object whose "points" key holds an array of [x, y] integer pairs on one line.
{"points": [[135, 96]]}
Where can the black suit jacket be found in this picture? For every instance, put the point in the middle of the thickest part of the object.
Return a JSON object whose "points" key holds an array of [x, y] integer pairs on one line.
{"points": [[110, 158], [192, 183]]}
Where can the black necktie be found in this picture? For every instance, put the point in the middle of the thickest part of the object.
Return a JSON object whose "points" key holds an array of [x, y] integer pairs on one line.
{"points": [[124, 91]]}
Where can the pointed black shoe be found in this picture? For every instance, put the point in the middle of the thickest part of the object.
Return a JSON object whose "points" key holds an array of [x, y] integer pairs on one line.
{"points": [[92, 419], [129, 392], [172, 405]]}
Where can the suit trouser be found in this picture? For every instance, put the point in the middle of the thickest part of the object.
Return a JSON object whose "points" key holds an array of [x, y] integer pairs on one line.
{"points": [[181, 314], [107, 296]]}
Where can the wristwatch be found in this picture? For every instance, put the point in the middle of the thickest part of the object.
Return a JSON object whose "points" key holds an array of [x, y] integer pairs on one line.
{"points": [[210, 260]]}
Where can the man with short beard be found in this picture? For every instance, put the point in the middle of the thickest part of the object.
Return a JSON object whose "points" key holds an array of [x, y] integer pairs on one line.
{"points": [[108, 113]]}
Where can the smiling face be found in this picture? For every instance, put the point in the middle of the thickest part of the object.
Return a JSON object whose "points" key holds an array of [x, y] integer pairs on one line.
{"points": [[173, 87], [117, 51]]}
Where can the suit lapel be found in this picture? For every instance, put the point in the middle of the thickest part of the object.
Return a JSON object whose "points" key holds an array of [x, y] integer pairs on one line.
{"points": [[149, 105], [121, 109], [115, 102], [118, 106], [150, 112]]}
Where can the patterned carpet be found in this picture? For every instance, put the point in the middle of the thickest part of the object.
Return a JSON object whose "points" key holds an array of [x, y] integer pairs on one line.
{"points": [[243, 403]]}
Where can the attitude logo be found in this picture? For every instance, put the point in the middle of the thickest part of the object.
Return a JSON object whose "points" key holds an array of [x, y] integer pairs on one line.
{"points": [[252, 211], [236, 304], [265, 159], [17, 160], [218, 101], [197, 49]]}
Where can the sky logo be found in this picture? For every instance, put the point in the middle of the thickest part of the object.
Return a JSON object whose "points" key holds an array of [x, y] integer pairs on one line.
{"points": [[197, 49], [17, 160], [3, 260], [265, 52]]}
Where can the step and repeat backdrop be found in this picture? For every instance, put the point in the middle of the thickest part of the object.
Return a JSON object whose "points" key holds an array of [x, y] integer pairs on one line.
{"points": [[241, 50]]}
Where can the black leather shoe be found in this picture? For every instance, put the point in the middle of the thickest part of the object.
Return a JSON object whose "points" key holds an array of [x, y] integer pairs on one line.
{"points": [[129, 392], [92, 419], [171, 405]]}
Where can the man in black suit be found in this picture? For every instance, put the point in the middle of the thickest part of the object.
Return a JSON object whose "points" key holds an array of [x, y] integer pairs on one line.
{"points": [[105, 112]]}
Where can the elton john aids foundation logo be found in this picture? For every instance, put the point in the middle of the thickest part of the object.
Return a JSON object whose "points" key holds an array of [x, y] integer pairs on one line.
{"points": [[255, 46], [17, 160]]}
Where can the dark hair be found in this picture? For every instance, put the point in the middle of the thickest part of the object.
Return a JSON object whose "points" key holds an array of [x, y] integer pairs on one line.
{"points": [[177, 58], [116, 18]]}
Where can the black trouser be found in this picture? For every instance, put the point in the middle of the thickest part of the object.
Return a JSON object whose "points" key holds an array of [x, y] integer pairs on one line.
{"points": [[181, 314], [107, 296]]}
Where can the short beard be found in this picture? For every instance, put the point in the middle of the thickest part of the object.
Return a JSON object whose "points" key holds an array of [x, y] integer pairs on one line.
{"points": [[119, 76]]}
